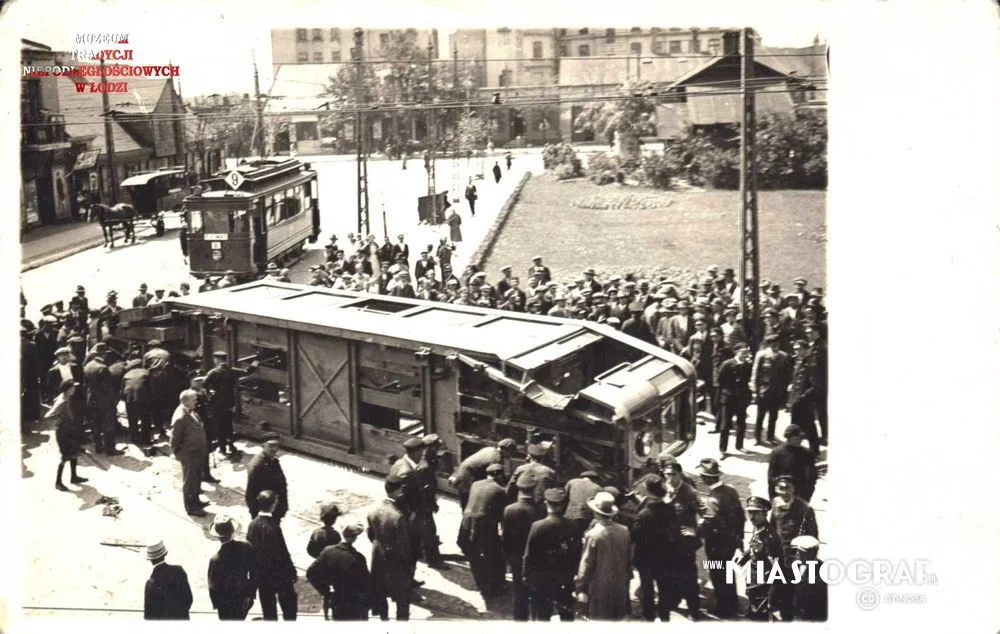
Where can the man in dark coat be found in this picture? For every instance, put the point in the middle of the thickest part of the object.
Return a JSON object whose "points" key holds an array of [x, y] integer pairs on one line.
{"points": [[720, 354], [474, 467], [325, 535], [497, 172], [190, 446], [802, 395], [427, 481], [220, 382], [516, 524], [763, 549], [138, 397], [142, 299], [539, 271], [478, 536], [772, 369], [168, 593], [164, 390], [722, 531], [734, 396], [471, 196], [340, 575], [274, 570], [232, 581], [401, 249], [682, 567], [545, 476], [653, 542], [69, 433], [810, 602], [791, 517], [579, 491], [79, 306], [31, 380], [551, 555], [819, 376], [792, 459], [265, 474], [102, 401], [413, 501], [392, 559]]}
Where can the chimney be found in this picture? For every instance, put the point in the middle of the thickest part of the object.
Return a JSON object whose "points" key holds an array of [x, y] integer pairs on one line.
{"points": [[731, 42]]}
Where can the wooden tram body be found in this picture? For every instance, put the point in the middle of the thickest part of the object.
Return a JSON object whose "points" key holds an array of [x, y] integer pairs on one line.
{"points": [[268, 217], [350, 376]]}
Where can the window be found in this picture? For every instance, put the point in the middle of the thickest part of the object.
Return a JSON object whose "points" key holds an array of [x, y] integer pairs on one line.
{"points": [[658, 47], [194, 221], [383, 40], [584, 31], [609, 36], [584, 50], [317, 35], [713, 46], [335, 56], [635, 29], [301, 35], [239, 222], [636, 48], [563, 50], [302, 57], [334, 35], [318, 57], [536, 50], [675, 47], [562, 32]]}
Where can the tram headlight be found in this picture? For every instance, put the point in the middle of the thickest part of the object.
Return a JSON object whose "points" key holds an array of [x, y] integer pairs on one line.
{"points": [[217, 255]]}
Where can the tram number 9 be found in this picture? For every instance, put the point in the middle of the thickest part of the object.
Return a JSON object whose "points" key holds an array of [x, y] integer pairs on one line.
{"points": [[234, 179]]}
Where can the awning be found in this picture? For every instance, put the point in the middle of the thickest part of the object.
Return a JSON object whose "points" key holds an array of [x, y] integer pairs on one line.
{"points": [[86, 160]]}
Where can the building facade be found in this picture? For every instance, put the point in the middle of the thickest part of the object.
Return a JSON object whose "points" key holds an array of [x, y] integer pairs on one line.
{"points": [[332, 45]]}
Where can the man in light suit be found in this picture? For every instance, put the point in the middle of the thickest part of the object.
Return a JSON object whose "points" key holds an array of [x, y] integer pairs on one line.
{"points": [[680, 327], [190, 446]]}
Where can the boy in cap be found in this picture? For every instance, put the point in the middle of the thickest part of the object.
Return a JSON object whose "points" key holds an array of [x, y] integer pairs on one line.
{"points": [[764, 549], [602, 578], [340, 575], [810, 600], [232, 581], [722, 530], [69, 432], [516, 524], [168, 593], [478, 536], [551, 555], [325, 535]]}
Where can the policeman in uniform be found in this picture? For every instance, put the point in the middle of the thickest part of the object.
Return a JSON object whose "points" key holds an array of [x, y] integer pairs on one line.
{"points": [[516, 524], [791, 517], [762, 547], [792, 459], [545, 476], [220, 382], [412, 501], [551, 556], [769, 380], [265, 474], [478, 536]]}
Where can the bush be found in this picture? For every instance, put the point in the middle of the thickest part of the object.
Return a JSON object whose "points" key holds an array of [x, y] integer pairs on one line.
{"points": [[656, 170], [604, 177], [561, 154], [565, 172], [603, 168]]}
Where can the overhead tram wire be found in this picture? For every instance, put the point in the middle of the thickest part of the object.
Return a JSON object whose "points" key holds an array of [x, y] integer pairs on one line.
{"points": [[535, 60]]}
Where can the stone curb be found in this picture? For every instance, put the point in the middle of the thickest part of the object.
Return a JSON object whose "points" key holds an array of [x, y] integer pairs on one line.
{"points": [[486, 244], [69, 251]]}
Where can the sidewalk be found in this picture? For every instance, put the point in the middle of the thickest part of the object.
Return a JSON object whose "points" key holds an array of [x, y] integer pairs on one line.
{"points": [[46, 244]]}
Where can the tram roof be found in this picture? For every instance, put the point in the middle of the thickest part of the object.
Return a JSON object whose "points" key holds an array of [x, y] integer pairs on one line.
{"points": [[143, 178], [521, 340]]}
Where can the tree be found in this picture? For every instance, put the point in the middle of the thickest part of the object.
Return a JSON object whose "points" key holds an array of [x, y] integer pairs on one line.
{"points": [[235, 126], [622, 120], [472, 131]]}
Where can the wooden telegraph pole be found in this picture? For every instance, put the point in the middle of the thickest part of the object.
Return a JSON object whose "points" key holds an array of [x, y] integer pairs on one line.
{"points": [[432, 138], [109, 140], [749, 243], [359, 135]]}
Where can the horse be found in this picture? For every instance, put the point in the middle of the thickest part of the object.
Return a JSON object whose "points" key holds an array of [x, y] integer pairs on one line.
{"points": [[110, 217]]}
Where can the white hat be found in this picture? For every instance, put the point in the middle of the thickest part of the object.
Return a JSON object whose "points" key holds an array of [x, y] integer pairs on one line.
{"points": [[156, 551], [805, 542], [603, 504]]}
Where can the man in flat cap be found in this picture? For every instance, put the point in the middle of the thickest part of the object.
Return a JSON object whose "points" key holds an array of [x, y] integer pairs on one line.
{"points": [[232, 574], [340, 575], [801, 292], [274, 570], [734, 397], [792, 459], [473, 468], [652, 537], [220, 382], [265, 474], [539, 270], [545, 476], [810, 601], [791, 516], [102, 401], [427, 471], [137, 392], [478, 536], [392, 559], [763, 549], [772, 370], [168, 593], [579, 491], [722, 530], [413, 500], [516, 525], [551, 555]]}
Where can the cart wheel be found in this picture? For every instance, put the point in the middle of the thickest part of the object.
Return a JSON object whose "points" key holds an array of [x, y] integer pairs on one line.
{"points": [[160, 227]]}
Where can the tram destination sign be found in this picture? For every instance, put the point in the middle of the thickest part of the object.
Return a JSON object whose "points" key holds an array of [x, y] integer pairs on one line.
{"points": [[234, 179]]}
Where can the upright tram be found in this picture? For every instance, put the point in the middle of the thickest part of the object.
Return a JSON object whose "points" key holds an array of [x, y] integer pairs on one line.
{"points": [[241, 219], [350, 376]]}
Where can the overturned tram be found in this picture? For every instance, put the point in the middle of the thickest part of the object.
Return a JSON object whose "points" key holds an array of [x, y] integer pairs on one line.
{"points": [[350, 376]]}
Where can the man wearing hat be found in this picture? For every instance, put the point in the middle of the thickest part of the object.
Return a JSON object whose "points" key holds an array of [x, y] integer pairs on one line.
{"points": [[545, 476], [539, 270], [108, 315], [340, 575], [478, 536], [503, 285], [190, 446], [220, 383], [722, 531], [273, 568], [392, 560], [636, 326], [793, 460], [137, 392], [802, 394], [65, 369], [810, 600], [652, 535], [79, 306], [473, 468], [158, 297], [168, 593], [682, 567], [424, 265], [791, 517], [734, 397], [772, 370], [401, 249], [427, 470], [232, 581], [69, 432], [140, 300], [551, 556], [801, 292], [680, 327], [516, 524], [229, 280], [32, 384], [579, 491], [265, 474], [102, 401], [325, 535], [763, 549], [413, 500], [602, 579]]}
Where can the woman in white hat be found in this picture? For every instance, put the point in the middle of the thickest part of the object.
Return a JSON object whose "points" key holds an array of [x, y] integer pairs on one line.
{"points": [[605, 568]]}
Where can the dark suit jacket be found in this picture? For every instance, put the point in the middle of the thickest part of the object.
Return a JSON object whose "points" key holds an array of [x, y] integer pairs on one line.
{"points": [[516, 522], [272, 563], [474, 467], [136, 387], [346, 571], [579, 491], [771, 373], [168, 594], [265, 474], [734, 382], [545, 478], [188, 439], [401, 249], [795, 461], [654, 534], [724, 521], [232, 574], [412, 500], [551, 554]]}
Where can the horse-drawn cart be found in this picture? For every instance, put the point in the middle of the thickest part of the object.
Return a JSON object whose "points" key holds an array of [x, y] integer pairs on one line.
{"points": [[148, 198]]}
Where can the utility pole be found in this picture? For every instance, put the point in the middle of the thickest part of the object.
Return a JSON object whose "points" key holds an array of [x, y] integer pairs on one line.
{"points": [[454, 66], [432, 137], [359, 135], [182, 124], [749, 242], [109, 140], [259, 126]]}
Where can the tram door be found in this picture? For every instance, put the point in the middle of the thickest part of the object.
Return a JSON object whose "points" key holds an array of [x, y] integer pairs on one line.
{"points": [[258, 239], [324, 389]]}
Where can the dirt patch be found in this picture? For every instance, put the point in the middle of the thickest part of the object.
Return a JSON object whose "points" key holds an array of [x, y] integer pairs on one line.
{"points": [[623, 200]]}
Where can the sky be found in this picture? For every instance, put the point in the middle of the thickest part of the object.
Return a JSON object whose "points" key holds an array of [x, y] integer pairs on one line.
{"points": [[213, 40]]}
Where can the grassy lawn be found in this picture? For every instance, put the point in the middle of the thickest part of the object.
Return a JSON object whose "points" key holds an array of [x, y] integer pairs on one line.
{"points": [[686, 233]]}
